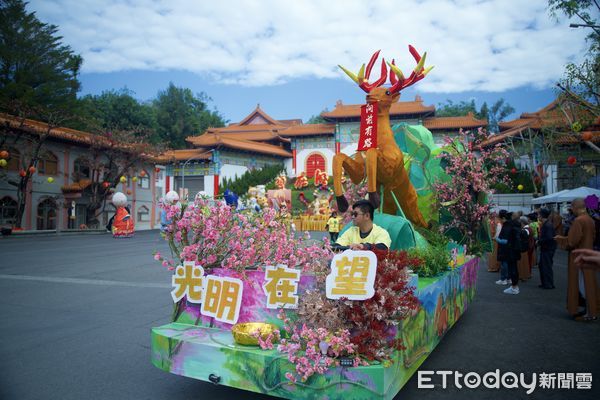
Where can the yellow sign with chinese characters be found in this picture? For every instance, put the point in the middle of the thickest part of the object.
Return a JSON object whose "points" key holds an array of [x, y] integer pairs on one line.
{"points": [[222, 298], [352, 275], [281, 286], [188, 281]]}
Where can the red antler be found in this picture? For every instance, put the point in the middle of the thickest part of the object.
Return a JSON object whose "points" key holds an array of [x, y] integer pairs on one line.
{"points": [[363, 76], [416, 75]]}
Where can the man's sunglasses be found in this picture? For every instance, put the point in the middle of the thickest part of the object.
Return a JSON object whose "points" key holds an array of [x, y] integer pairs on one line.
{"points": [[356, 214]]}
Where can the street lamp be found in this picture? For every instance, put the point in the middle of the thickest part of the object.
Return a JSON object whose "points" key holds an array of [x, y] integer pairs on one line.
{"points": [[183, 174]]}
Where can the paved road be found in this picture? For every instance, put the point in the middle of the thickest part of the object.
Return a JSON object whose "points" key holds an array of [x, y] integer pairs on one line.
{"points": [[76, 313]]}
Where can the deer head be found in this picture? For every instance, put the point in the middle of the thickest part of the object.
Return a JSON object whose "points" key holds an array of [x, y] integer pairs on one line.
{"points": [[397, 79]]}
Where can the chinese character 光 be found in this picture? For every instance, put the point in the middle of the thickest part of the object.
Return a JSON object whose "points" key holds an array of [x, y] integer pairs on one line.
{"points": [[281, 285], [187, 281]]}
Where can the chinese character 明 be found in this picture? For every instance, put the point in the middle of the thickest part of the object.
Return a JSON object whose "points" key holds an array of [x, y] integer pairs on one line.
{"points": [[281, 285], [187, 281], [222, 298]]}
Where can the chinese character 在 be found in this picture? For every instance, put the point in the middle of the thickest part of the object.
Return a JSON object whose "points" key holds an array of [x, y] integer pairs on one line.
{"points": [[188, 281], [281, 286], [352, 275], [222, 298]]}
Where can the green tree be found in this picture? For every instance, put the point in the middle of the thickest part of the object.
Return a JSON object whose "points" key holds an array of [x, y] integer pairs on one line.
{"points": [[317, 119], [117, 111], [179, 114], [581, 82], [38, 79], [494, 114], [38, 74]]}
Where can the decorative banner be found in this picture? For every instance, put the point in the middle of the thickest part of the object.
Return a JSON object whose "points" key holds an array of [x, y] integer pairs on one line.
{"points": [[188, 281], [222, 298], [352, 275], [368, 127], [281, 286]]}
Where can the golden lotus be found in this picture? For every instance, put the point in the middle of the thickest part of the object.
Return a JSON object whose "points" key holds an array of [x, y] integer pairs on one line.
{"points": [[242, 333]]}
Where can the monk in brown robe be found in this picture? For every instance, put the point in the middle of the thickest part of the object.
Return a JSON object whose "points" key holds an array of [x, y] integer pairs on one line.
{"points": [[581, 236]]}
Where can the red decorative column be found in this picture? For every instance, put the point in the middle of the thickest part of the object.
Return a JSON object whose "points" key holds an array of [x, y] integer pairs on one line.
{"points": [[216, 186], [294, 160]]}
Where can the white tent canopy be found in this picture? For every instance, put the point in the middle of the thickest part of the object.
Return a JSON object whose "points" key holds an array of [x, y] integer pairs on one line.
{"points": [[566, 195], [549, 198], [581, 192]]}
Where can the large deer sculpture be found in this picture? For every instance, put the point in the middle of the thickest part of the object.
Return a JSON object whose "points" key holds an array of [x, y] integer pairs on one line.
{"points": [[383, 165]]}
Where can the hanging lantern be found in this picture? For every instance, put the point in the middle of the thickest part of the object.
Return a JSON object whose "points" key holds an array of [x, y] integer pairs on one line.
{"points": [[128, 192], [571, 160], [134, 179], [520, 187], [32, 170], [157, 170], [4, 154], [105, 185], [50, 179], [23, 173], [3, 163], [586, 136], [513, 171], [123, 179], [142, 173]]}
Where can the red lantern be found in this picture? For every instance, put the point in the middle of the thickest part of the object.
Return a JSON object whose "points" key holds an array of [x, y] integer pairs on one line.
{"points": [[157, 170], [571, 160], [32, 170], [105, 184], [128, 192], [4, 154], [142, 173], [586, 136], [513, 171], [22, 173]]}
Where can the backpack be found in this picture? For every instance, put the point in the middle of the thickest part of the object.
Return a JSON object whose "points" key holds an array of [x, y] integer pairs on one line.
{"points": [[523, 240]]}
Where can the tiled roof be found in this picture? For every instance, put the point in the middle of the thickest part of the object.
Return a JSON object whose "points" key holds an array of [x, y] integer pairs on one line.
{"points": [[550, 116], [182, 155], [76, 186], [309, 130], [494, 139], [577, 138], [69, 135], [249, 145], [38, 127], [464, 122], [210, 139], [398, 108], [258, 113]]}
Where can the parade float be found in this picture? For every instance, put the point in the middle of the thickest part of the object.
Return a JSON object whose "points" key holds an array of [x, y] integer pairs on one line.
{"points": [[260, 309]]}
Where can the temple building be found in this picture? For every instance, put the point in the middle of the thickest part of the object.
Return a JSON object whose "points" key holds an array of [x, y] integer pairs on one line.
{"points": [[260, 140]]}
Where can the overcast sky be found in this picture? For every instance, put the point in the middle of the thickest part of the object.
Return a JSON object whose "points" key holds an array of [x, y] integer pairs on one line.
{"points": [[494, 47]]}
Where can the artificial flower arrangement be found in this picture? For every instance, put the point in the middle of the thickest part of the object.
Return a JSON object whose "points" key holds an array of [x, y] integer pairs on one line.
{"points": [[321, 330]]}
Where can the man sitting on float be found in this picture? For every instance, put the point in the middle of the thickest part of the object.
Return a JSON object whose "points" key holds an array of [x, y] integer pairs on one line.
{"points": [[364, 235]]}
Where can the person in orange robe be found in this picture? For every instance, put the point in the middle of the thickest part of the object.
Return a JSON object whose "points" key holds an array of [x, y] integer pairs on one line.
{"points": [[581, 236]]}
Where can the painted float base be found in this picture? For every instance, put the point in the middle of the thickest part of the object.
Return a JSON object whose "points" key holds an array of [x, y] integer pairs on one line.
{"points": [[210, 354]]}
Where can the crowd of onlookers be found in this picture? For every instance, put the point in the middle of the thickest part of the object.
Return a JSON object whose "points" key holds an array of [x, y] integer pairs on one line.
{"points": [[524, 241]]}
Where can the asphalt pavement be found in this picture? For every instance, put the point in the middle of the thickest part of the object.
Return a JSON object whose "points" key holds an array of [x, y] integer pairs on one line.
{"points": [[76, 313]]}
